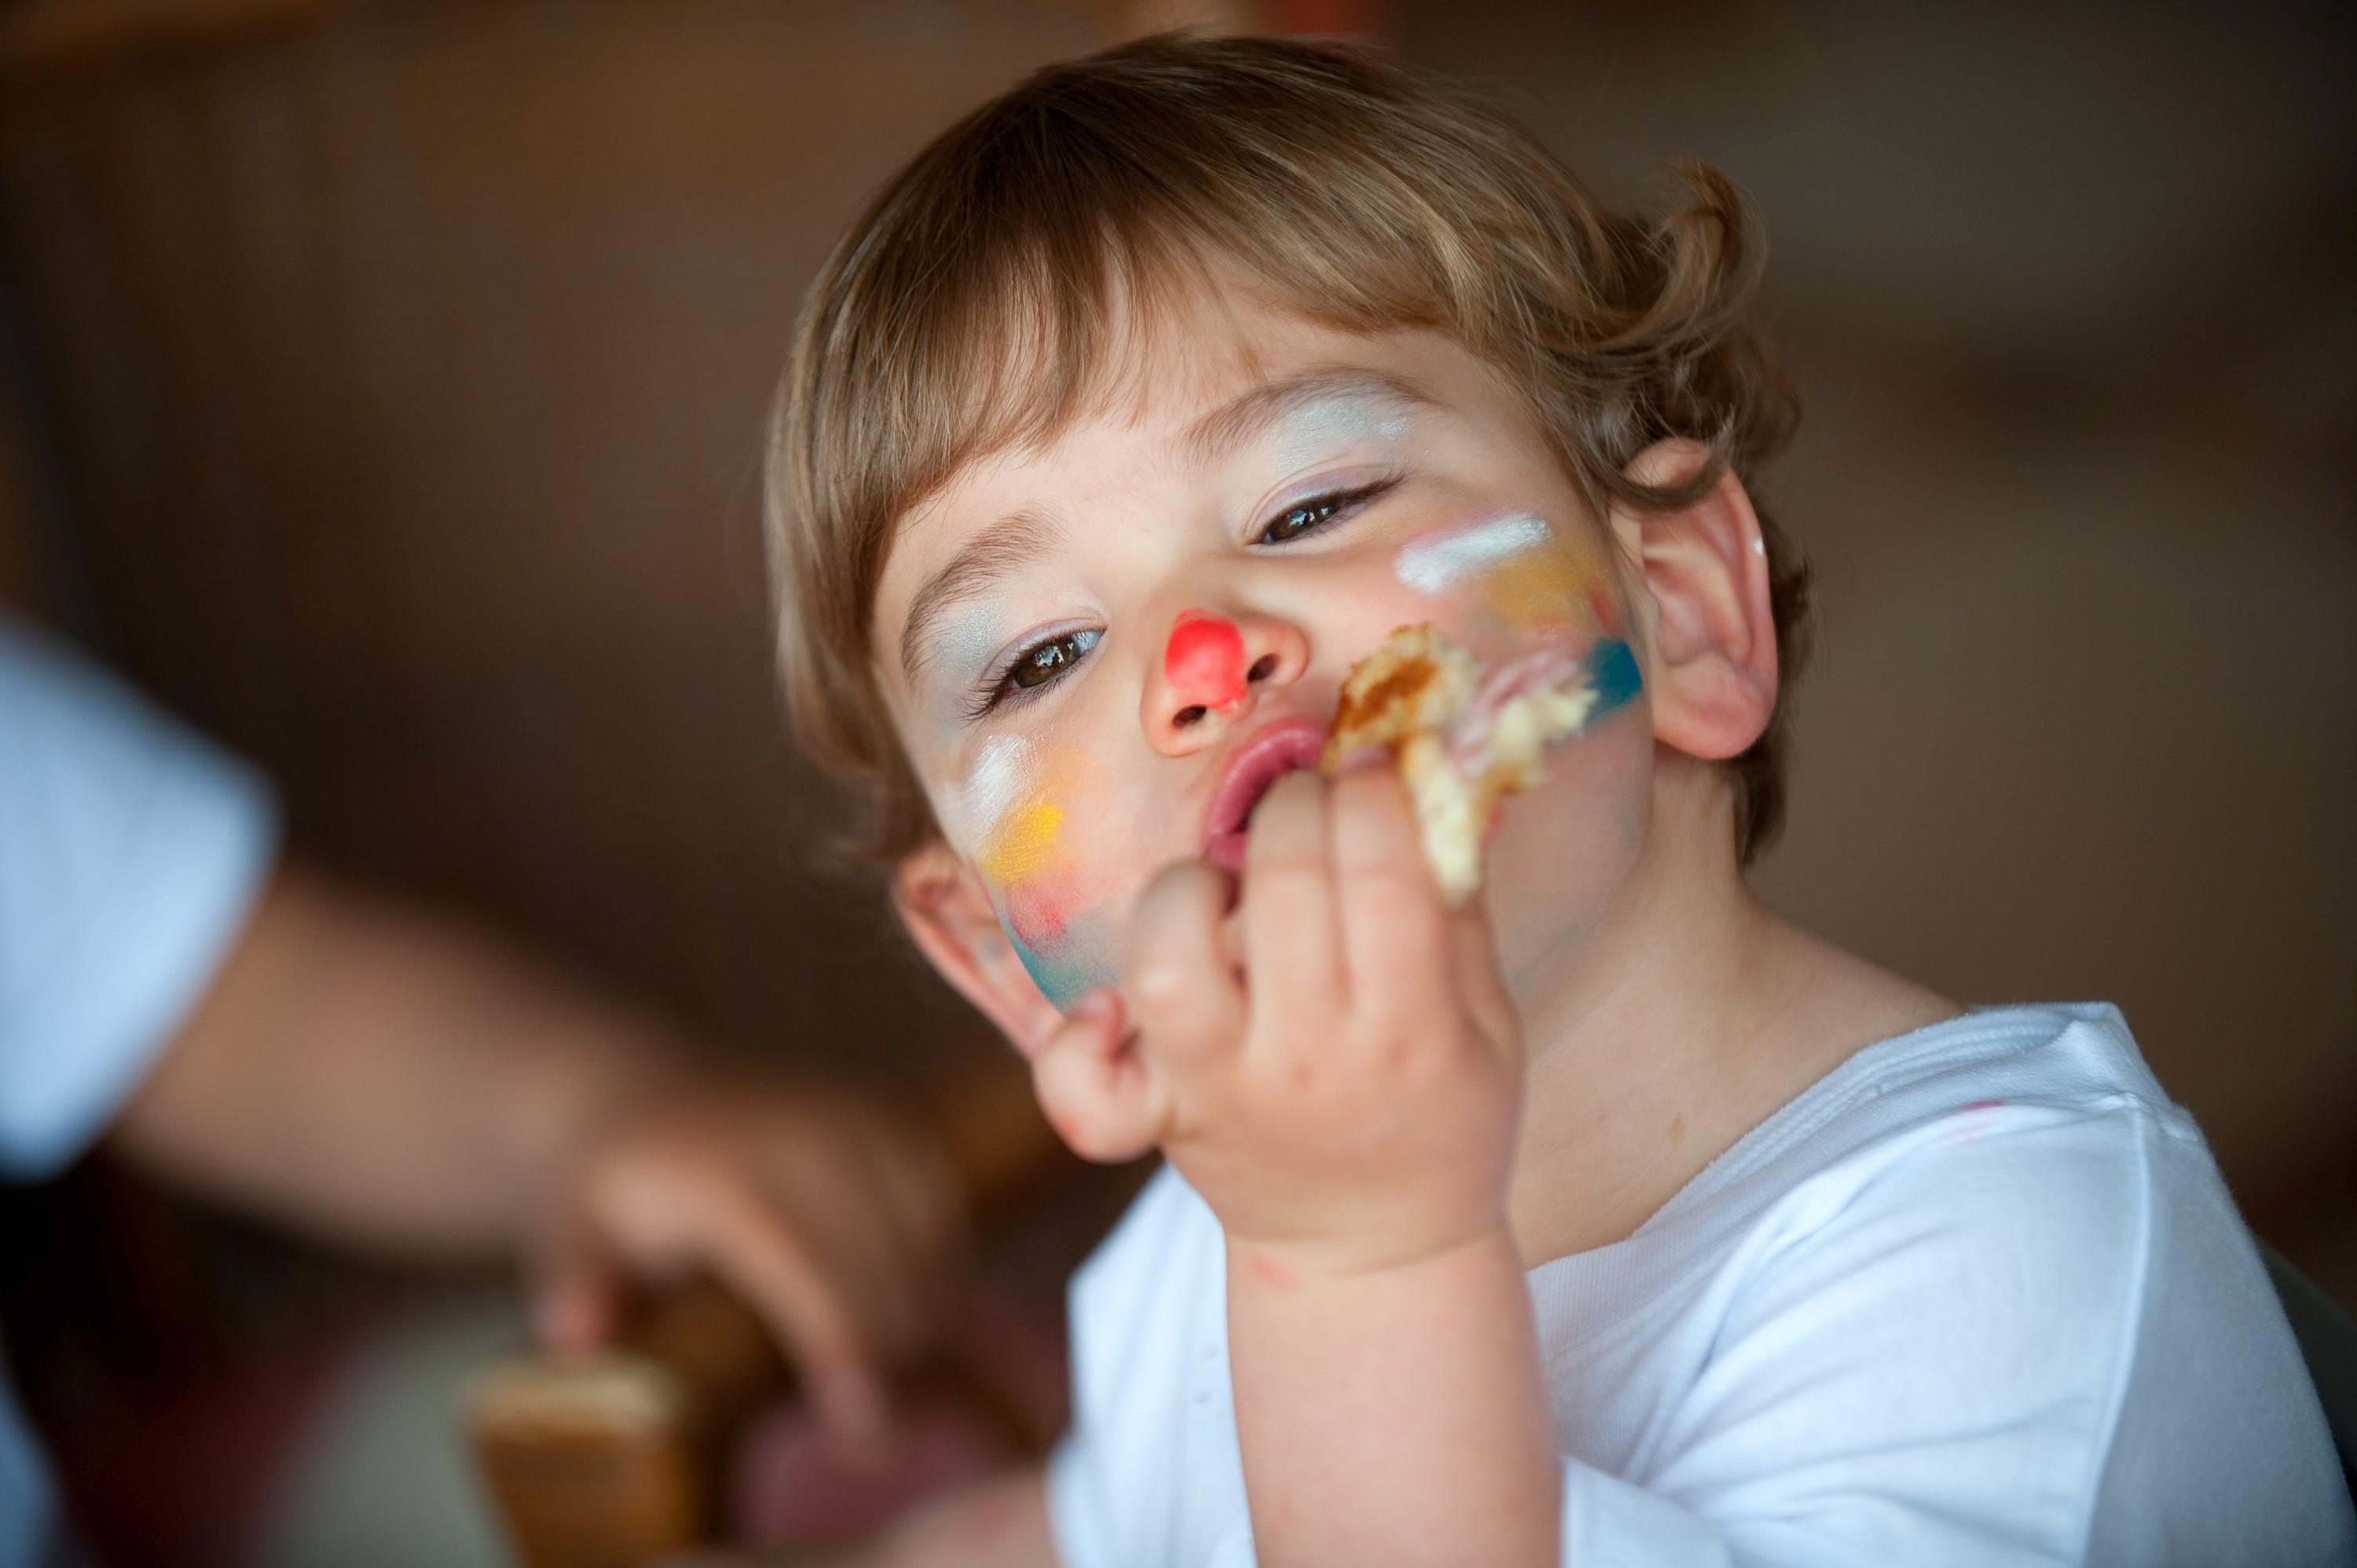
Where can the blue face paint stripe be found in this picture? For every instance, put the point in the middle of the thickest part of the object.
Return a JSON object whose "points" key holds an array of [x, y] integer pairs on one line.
{"points": [[1062, 981], [1613, 676]]}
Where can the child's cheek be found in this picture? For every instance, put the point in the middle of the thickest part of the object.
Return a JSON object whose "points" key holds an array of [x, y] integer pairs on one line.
{"points": [[1509, 581], [1507, 584], [1016, 816], [1069, 943], [1566, 851]]}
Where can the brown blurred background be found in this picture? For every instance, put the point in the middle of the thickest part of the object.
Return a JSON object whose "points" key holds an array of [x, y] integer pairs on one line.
{"points": [[380, 385]]}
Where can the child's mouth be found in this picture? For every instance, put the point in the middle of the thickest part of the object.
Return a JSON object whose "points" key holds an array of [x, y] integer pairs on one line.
{"points": [[1287, 746]]}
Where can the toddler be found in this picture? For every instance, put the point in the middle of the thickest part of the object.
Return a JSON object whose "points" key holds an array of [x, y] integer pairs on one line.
{"points": [[1606, 1218]]}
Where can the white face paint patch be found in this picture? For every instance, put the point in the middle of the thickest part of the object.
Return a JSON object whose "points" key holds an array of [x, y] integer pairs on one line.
{"points": [[1001, 778], [966, 645], [1434, 564], [1335, 424]]}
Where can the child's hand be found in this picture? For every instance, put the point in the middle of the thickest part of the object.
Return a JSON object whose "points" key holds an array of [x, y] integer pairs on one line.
{"points": [[1336, 1068]]}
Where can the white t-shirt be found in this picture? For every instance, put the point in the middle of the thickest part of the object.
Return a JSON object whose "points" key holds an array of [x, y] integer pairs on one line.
{"points": [[130, 853], [1977, 1296]]}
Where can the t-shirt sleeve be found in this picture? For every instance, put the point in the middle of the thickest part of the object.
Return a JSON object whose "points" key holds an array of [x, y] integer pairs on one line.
{"points": [[131, 852], [1926, 1359]]}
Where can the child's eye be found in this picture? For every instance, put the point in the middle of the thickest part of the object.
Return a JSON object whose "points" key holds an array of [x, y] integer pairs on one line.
{"points": [[1042, 662], [1037, 666], [1309, 516]]}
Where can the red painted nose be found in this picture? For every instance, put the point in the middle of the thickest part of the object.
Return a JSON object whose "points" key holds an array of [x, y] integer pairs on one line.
{"points": [[1204, 661]]}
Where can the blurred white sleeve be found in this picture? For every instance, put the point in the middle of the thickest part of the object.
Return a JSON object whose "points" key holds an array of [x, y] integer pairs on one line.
{"points": [[131, 852]]}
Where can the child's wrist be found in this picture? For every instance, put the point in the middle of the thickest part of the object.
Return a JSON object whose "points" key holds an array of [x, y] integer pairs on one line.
{"points": [[1291, 1264]]}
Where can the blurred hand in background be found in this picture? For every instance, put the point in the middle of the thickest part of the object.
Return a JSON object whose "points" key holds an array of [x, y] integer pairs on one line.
{"points": [[833, 1219], [397, 1080]]}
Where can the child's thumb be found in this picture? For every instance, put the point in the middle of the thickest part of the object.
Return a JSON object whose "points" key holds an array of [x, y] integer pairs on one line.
{"points": [[1098, 1090]]}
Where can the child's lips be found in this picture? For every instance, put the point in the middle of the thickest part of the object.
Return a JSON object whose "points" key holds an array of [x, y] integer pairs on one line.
{"points": [[1267, 755]]}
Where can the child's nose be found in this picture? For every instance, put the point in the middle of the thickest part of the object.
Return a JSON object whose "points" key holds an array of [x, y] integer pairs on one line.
{"points": [[1212, 670]]}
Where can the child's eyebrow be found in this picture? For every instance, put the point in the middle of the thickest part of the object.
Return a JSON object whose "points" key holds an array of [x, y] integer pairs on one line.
{"points": [[988, 557], [1253, 412]]}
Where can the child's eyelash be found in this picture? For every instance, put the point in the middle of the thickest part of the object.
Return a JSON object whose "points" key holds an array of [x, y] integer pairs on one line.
{"points": [[1000, 686], [1322, 510]]}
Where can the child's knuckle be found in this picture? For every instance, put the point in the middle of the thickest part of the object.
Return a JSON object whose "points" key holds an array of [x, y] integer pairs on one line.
{"points": [[1162, 984]]}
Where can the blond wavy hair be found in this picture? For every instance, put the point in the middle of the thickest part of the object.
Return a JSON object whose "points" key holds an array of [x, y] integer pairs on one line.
{"points": [[973, 306]]}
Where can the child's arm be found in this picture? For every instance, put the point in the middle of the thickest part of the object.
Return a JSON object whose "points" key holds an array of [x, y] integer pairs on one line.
{"points": [[1338, 1072], [1394, 1415]]}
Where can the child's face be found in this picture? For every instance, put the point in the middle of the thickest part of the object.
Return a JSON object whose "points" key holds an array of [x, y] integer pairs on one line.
{"points": [[1101, 651]]}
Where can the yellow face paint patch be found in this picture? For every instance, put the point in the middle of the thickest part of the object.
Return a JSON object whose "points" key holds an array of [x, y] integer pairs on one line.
{"points": [[1021, 844]]}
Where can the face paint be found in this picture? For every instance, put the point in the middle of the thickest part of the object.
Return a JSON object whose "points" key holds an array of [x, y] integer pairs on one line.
{"points": [[1077, 959], [1332, 423], [964, 645], [1515, 568], [1436, 563], [1009, 818], [1531, 585], [1001, 779], [1204, 661], [1612, 675]]}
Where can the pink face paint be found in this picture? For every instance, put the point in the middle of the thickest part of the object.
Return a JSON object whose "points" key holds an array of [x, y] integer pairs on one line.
{"points": [[1204, 661]]}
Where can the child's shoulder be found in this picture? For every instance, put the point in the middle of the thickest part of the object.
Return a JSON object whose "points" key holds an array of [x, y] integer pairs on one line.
{"points": [[1957, 1080], [2023, 1128]]}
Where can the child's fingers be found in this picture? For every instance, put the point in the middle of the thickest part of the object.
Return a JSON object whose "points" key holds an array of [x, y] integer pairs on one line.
{"points": [[1480, 981], [1396, 938], [1181, 977], [1293, 956], [1100, 1094]]}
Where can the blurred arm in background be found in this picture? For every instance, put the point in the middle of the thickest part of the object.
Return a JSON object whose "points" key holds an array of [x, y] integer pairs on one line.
{"points": [[402, 1080]]}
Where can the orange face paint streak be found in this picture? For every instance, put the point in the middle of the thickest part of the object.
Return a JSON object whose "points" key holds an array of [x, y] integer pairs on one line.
{"points": [[1519, 572], [1204, 661], [1538, 591]]}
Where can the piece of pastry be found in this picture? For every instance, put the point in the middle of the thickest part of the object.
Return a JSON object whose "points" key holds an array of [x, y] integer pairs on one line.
{"points": [[1466, 737]]}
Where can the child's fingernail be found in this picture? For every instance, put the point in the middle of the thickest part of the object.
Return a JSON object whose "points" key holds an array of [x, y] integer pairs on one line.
{"points": [[1365, 756], [1093, 1005]]}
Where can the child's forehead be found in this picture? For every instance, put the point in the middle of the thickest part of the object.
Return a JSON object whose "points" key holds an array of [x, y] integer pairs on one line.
{"points": [[1162, 375], [1172, 399], [1179, 390]]}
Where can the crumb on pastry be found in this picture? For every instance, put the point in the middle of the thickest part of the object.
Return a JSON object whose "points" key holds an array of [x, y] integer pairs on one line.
{"points": [[1466, 737]]}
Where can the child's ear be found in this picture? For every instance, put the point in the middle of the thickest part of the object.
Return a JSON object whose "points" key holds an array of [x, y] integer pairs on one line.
{"points": [[940, 901], [1712, 670]]}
